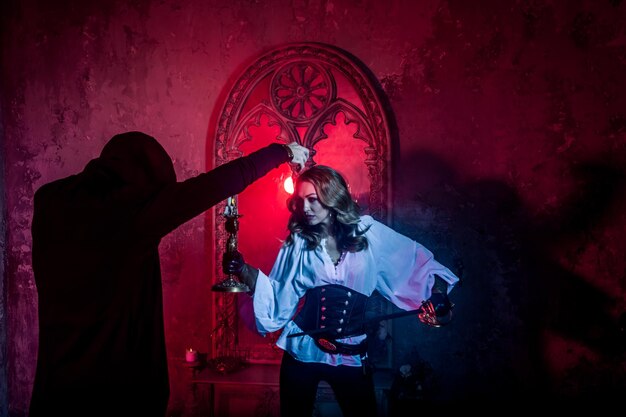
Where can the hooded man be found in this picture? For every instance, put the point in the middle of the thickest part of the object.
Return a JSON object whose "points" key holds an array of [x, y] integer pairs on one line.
{"points": [[97, 270]]}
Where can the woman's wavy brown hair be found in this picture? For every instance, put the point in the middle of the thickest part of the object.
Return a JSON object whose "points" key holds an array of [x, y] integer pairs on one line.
{"points": [[332, 192]]}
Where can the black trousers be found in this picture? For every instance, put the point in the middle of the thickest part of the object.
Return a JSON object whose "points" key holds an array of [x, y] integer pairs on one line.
{"points": [[353, 388]]}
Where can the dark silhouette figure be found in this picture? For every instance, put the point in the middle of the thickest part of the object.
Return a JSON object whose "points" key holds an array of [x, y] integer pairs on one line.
{"points": [[526, 307], [96, 264]]}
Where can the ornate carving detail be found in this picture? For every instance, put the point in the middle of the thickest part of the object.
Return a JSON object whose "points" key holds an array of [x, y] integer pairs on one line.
{"points": [[295, 86], [301, 90]]}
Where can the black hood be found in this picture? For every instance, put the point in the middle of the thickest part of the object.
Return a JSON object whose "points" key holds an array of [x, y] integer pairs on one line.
{"points": [[133, 160]]}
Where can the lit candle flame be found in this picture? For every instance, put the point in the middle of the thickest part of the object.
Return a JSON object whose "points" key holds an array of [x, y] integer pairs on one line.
{"points": [[288, 185]]}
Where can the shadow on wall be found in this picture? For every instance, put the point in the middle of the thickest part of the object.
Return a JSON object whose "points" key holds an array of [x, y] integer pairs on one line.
{"points": [[527, 326]]}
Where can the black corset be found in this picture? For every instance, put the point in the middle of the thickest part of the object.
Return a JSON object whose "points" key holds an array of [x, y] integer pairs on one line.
{"points": [[339, 309]]}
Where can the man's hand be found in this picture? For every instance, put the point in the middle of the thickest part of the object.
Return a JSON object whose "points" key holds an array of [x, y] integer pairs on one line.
{"points": [[300, 155]]}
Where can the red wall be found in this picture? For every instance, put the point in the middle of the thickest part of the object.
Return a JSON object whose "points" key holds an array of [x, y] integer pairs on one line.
{"points": [[509, 164]]}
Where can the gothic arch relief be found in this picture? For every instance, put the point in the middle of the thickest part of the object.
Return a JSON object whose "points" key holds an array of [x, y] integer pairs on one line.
{"points": [[324, 99]]}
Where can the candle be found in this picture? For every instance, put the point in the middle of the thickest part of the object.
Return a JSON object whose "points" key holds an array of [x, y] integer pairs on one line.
{"points": [[191, 355]]}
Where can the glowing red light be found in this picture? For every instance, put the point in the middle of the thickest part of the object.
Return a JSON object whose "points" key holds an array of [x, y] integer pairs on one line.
{"points": [[288, 185]]}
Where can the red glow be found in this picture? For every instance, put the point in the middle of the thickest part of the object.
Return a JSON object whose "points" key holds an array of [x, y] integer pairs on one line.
{"points": [[262, 205]]}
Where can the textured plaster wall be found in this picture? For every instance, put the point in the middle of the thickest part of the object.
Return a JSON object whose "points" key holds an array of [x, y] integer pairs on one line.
{"points": [[510, 163]]}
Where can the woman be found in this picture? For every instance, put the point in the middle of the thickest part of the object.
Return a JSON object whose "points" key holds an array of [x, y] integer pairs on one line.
{"points": [[336, 259]]}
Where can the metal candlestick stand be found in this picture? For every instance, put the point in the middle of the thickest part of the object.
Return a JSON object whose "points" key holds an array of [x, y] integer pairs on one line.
{"points": [[230, 284]]}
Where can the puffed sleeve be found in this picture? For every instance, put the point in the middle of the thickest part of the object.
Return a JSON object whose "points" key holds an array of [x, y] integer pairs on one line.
{"points": [[276, 296], [406, 269]]}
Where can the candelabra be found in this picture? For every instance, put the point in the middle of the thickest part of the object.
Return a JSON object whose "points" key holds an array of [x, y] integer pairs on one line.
{"points": [[230, 284]]}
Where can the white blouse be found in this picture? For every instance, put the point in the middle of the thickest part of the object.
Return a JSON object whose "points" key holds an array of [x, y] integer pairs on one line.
{"points": [[400, 269]]}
